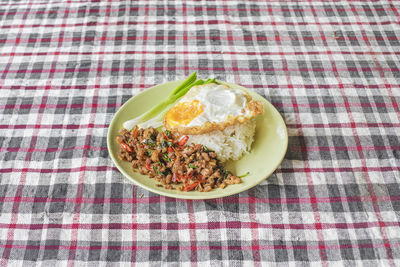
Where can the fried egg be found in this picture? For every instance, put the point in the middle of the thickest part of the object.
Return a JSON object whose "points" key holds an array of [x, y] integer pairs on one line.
{"points": [[210, 107]]}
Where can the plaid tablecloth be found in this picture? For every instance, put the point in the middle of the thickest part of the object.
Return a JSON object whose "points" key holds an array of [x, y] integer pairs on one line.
{"points": [[330, 67]]}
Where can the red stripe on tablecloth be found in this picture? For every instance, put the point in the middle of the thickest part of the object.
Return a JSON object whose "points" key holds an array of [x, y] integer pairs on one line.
{"points": [[361, 154], [212, 22], [18, 193], [261, 1], [339, 169], [252, 210], [34, 3], [203, 7], [185, 40], [142, 87], [255, 236], [51, 75], [279, 170], [54, 149], [207, 248], [396, 12], [60, 170], [342, 148], [321, 86], [288, 125], [339, 105], [344, 125], [57, 106], [394, 9], [388, 248], [17, 40], [208, 22], [181, 38], [161, 52], [316, 215], [192, 232], [77, 87], [53, 126], [230, 39], [134, 235], [134, 223], [241, 200], [223, 248], [215, 225], [144, 39], [272, 86], [189, 203], [335, 71], [314, 204], [45, 94], [234, 68], [81, 178], [317, 224], [379, 67]]}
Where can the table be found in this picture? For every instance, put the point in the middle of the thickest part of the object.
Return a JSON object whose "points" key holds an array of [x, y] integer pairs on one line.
{"points": [[331, 68]]}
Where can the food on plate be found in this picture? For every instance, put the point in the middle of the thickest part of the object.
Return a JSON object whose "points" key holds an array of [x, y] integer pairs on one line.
{"points": [[217, 116], [211, 107], [230, 143], [184, 140], [154, 117], [168, 159]]}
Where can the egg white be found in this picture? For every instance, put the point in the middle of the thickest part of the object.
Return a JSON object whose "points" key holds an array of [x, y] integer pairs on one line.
{"points": [[221, 106]]}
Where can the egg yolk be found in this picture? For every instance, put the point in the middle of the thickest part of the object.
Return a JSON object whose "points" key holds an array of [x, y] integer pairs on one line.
{"points": [[183, 113]]}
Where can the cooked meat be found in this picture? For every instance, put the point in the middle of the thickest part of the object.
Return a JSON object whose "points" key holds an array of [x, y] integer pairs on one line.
{"points": [[206, 172], [161, 156], [205, 156], [212, 155], [154, 156]]}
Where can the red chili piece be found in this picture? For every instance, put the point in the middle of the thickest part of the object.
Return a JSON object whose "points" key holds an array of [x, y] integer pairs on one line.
{"points": [[183, 141], [126, 147], [147, 167], [178, 177], [191, 186]]}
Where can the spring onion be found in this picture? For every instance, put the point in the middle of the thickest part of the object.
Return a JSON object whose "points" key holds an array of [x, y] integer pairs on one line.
{"points": [[206, 149], [226, 173], [155, 168], [192, 77], [243, 175], [192, 166], [155, 122], [172, 97], [166, 158]]}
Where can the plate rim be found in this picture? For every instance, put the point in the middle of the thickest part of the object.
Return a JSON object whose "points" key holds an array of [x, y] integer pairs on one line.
{"points": [[194, 197]]}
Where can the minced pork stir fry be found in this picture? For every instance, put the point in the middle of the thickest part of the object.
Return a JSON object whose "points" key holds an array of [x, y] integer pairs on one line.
{"points": [[166, 157]]}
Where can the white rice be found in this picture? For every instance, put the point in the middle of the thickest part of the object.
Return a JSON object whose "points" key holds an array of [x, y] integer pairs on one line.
{"points": [[230, 143]]}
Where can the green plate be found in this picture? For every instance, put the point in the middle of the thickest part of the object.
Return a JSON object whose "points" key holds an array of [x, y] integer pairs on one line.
{"points": [[266, 155]]}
